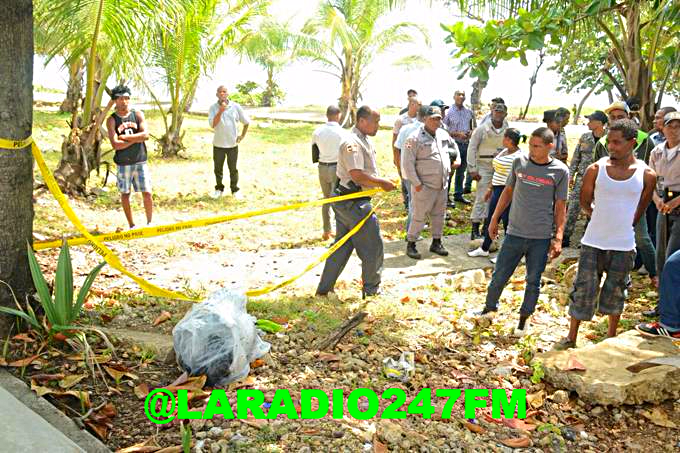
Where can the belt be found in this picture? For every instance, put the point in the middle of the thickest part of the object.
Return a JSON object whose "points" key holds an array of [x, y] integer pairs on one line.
{"points": [[342, 190], [328, 164]]}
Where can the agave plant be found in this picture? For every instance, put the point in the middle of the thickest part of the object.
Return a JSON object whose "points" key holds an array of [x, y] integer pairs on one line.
{"points": [[60, 308]]}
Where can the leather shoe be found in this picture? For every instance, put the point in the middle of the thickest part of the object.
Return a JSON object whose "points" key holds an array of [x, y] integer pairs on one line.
{"points": [[462, 200], [412, 251], [438, 248]]}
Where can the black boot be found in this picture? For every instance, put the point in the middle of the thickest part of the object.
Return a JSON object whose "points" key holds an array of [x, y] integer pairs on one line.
{"points": [[565, 242], [438, 248], [475, 231], [412, 251]]}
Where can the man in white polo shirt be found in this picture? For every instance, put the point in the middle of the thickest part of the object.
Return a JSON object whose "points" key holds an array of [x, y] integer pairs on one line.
{"points": [[223, 117], [326, 141]]}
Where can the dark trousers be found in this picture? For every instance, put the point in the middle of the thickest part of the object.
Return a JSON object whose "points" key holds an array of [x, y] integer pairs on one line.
{"points": [[367, 242], [667, 239], [493, 202], [512, 251], [231, 155], [669, 296], [460, 171], [650, 215]]}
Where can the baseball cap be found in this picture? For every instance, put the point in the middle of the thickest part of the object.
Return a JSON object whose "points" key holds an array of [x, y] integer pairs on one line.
{"points": [[670, 117], [119, 91], [618, 105], [598, 115], [433, 111], [438, 103], [549, 115], [500, 108]]}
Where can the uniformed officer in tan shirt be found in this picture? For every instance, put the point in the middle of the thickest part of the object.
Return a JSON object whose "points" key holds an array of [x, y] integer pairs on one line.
{"points": [[426, 163], [357, 171]]}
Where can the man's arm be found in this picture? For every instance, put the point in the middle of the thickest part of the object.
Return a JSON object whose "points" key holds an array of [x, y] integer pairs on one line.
{"points": [[243, 133], [473, 147], [408, 162], [396, 154], [244, 120], [366, 180], [575, 161], [588, 189], [116, 143], [503, 203], [215, 117], [646, 196], [140, 136], [560, 219]]}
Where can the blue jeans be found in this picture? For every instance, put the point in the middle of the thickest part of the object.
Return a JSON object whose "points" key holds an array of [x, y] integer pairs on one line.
{"points": [[512, 251], [645, 247], [460, 171], [493, 202], [669, 296]]}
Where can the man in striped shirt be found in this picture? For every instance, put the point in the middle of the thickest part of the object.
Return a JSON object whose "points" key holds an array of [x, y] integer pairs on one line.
{"points": [[460, 121]]}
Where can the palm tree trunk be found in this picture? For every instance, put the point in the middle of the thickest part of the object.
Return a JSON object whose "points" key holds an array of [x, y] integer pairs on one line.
{"points": [[476, 96], [16, 166], [74, 90]]}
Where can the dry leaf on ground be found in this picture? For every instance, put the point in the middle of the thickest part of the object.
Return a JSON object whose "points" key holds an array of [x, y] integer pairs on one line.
{"points": [[517, 442]]}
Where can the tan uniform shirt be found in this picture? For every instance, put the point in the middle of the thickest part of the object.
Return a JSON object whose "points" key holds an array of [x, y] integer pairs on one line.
{"points": [[425, 159], [356, 153], [666, 163]]}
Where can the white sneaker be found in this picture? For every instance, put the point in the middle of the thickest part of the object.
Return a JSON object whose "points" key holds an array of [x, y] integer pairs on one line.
{"points": [[494, 259], [238, 195], [642, 270], [216, 194], [478, 252]]}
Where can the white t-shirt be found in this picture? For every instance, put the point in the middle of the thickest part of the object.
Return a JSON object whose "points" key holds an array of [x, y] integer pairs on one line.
{"points": [[328, 138], [226, 130]]}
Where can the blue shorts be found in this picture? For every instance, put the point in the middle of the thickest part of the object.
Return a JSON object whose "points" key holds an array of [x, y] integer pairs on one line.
{"points": [[134, 176]]}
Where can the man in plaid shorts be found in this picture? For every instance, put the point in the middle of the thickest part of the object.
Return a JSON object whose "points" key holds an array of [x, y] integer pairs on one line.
{"points": [[127, 134], [616, 192]]}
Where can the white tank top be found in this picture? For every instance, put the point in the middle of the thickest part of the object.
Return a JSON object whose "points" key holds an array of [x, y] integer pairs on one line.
{"points": [[614, 206]]}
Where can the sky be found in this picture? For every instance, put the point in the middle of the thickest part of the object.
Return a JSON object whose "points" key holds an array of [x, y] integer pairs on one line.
{"points": [[304, 84]]}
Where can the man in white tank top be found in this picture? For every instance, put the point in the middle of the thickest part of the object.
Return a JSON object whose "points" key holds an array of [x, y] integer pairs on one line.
{"points": [[616, 192]]}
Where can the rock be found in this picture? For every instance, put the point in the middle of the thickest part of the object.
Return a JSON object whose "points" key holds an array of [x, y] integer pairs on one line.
{"points": [[597, 411], [214, 448], [338, 434], [215, 432], [570, 275], [198, 448], [607, 381], [305, 449], [502, 371], [161, 345], [390, 432], [201, 435], [560, 397], [238, 439]]}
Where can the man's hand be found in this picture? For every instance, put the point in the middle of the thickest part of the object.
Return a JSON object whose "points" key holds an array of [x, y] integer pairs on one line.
{"points": [[475, 176], [223, 107], [239, 138], [493, 228], [670, 206], [555, 249], [419, 188], [487, 195], [387, 186]]}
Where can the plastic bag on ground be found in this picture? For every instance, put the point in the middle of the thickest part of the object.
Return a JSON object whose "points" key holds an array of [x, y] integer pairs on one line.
{"points": [[218, 338]]}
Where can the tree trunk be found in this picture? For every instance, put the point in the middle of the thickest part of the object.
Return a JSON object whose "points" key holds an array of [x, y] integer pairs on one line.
{"points": [[74, 91], [476, 96], [610, 96], [268, 94], [583, 101], [16, 166], [532, 82], [637, 77]]}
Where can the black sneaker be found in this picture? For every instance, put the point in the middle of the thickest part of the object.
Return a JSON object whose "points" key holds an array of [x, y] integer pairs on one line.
{"points": [[412, 251], [462, 200], [565, 242], [438, 248], [654, 313], [655, 329]]}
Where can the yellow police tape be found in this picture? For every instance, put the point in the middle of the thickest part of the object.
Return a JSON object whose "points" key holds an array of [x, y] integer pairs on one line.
{"points": [[161, 230], [112, 259]]}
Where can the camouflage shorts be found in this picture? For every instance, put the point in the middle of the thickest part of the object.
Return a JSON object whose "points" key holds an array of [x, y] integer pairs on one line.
{"points": [[587, 296]]}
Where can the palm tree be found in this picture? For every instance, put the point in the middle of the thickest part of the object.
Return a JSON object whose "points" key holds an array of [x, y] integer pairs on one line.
{"points": [[180, 54], [345, 36], [105, 35], [272, 47]]}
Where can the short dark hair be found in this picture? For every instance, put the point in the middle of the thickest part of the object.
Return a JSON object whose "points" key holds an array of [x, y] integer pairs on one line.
{"points": [[498, 101], [544, 134], [515, 136], [667, 110], [364, 112], [332, 110], [120, 90], [408, 93], [627, 127]]}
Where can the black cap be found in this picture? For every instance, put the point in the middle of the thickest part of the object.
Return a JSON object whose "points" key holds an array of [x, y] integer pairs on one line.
{"points": [[598, 115], [433, 111], [438, 103], [549, 115]]}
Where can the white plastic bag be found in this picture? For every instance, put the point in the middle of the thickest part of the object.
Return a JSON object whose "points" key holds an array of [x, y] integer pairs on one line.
{"points": [[218, 338]]}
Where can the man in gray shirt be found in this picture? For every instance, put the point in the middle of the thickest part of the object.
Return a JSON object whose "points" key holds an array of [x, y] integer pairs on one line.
{"points": [[537, 186], [224, 117]]}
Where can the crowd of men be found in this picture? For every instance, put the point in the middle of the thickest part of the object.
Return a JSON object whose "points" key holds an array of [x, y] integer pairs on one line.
{"points": [[614, 174], [625, 181]]}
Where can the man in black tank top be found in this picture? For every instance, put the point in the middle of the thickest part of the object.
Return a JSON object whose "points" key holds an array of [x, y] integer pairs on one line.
{"points": [[127, 134]]}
